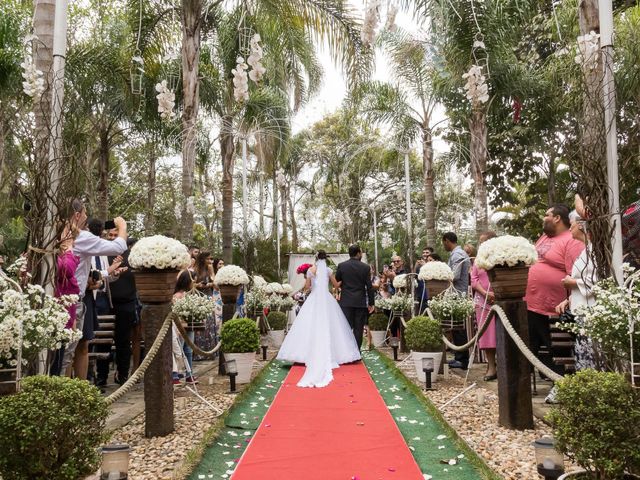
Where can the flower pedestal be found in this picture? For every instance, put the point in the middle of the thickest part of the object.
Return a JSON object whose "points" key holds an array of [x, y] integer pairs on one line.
{"points": [[229, 295], [436, 287], [155, 289], [514, 375]]}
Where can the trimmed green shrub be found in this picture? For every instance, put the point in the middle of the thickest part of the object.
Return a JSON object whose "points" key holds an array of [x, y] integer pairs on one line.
{"points": [[597, 423], [240, 335], [424, 334], [277, 320], [51, 429], [378, 322]]}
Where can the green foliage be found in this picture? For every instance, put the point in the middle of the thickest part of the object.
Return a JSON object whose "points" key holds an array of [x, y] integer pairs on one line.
{"points": [[277, 320], [424, 334], [378, 322], [597, 423], [51, 429], [13, 235], [240, 335]]}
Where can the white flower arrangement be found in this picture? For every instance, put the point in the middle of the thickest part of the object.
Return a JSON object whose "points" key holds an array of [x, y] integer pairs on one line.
{"points": [[400, 302], [193, 307], [273, 287], [506, 251], [43, 319], [258, 281], [476, 87], [17, 266], [255, 299], [400, 281], [451, 307], [435, 271], [166, 101], [278, 302], [159, 252], [287, 289], [257, 69], [383, 303], [33, 84], [231, 275], [240, 81], [588, 50]]}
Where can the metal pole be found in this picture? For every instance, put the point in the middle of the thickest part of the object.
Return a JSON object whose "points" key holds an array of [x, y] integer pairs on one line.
{"points": [[277, 220], [244, 199], [375, 237], [605, 12], [407, 186]]}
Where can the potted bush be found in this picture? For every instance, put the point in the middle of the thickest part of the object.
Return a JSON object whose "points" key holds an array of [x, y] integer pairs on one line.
{"points": [[424, 338], [278, 322], [52, 428], [597, 424], [240, 339], [378, 325]]}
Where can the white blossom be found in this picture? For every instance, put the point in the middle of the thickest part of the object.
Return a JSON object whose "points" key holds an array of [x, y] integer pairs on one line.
{"points": [[257, 69], [476, 87], [240, 81], [194, 307], [435, 271], [507, 251], [166, 101], [231, 275], [159, 252], [33, 84]]}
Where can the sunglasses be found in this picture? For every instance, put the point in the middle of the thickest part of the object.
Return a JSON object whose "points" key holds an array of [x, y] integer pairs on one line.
{"points": [[396, 261]]}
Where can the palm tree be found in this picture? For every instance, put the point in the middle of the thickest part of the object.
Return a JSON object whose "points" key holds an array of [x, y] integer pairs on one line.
{"points": [[407, 106]]}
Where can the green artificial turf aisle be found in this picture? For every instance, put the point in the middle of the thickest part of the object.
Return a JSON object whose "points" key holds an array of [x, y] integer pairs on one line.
{"points": [[434, 444], [220, 459]]}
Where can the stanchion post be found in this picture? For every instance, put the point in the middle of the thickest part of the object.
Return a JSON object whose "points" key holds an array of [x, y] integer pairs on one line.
{"points": [[158, 385], [514, 382], [228, 311]]}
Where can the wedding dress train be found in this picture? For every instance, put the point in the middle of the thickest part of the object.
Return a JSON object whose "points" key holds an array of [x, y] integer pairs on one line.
{"points": [[320, 336]]}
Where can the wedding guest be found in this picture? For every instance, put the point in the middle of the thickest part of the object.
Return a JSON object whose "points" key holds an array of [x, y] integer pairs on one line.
{"points": [[218, 263], [375, 284], [434, 257], [460, 265], [85, 246], [471, 251], [483, 298], [204, 274], [194, 251], [183, 286], [421, 293], [557, 252]]}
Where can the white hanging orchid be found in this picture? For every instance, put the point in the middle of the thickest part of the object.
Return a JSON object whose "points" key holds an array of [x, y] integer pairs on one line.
{"points": [[588, 50], [386, 241], [166, 101], [476, 87], [240, 81], [33, 84], [371, 18], [257, 69]]}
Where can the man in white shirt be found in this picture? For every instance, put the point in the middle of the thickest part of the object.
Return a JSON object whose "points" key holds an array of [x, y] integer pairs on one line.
{"points": [[86, 246]]}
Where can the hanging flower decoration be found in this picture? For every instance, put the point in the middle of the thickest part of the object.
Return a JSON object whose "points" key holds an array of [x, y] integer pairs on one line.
{"points": [[476, 86], [588, 50], [33, 84], [371, 18], [257, 69], [166, 101], [240, 81], [386, 240]]}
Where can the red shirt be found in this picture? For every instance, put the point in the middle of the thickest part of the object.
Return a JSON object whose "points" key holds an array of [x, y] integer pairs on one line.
{"points": [[556, 256]]}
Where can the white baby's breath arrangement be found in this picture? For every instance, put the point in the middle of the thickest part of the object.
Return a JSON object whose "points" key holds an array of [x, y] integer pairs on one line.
{"points": [[400, 302], [159, 252], [451, 307], [278, 302], [506, 251], [193, 307], [231, 275], [400, 281], [256, 299], [43, 319], [435, 271], [383, 304]]}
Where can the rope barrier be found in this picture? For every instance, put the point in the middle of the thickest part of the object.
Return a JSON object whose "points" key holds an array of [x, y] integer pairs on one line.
{"points": [[137, 375], [211, 353]]}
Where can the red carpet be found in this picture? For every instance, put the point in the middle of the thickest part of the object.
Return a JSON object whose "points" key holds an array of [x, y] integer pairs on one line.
{"points": [[340, 432]]}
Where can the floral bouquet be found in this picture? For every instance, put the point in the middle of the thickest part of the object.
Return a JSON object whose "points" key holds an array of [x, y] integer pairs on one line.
{"points": [[194, 309], [287, 289], [44, 319], [159, 253], [383, 303], [435, 271], [258, 281], [231, 275], [400, 302], [400, 281], [506, 251], [255, 300], [611, 321], [273, 287], [277, 302], [302, 269], [451, 309]]}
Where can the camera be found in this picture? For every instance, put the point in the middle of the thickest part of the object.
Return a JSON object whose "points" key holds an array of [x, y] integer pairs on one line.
{"points": [[95, 275]]}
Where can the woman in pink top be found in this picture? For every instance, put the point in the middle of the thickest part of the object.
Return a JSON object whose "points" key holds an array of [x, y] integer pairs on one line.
{"points": [[483, 298]]}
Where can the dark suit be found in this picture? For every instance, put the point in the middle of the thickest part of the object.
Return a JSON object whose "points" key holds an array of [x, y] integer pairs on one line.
{"points": [[356, 295]]}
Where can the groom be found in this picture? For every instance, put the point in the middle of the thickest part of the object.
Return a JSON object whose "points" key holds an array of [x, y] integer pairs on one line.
{"points": [[356, 297]]}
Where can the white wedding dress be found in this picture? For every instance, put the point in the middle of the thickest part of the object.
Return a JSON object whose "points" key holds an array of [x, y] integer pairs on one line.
{"points": [[320, 336]]}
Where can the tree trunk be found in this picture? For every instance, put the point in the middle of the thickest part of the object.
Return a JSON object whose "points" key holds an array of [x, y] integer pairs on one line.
{"points": [[262, 204], [551, 181], [3, 137], [191, 21], [227, 150], [102, 210], [429, 191], [294, 225], [478, 154], [149, 218], [283, 213]]}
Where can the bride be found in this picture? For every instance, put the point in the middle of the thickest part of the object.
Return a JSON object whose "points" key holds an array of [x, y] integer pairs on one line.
{"points": [[320, 336]]}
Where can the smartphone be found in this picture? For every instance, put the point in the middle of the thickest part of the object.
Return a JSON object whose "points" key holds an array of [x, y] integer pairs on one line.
{"points": [[109, 225]]}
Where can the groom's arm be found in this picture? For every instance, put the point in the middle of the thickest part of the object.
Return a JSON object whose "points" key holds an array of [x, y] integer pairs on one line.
{"points": [[370, 294]]}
